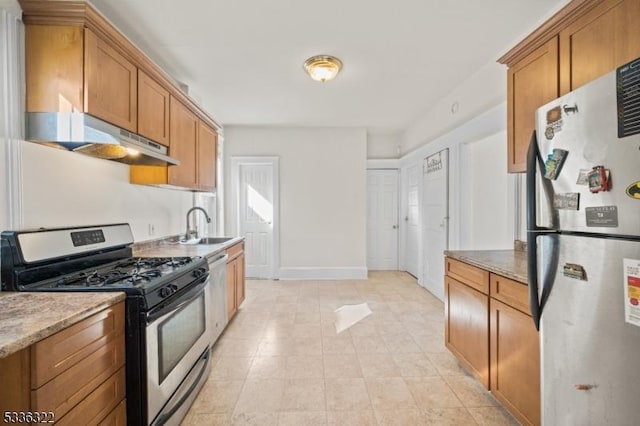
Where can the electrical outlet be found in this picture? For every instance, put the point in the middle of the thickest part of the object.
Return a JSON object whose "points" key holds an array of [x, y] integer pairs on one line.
{"points": [[152, 230]]}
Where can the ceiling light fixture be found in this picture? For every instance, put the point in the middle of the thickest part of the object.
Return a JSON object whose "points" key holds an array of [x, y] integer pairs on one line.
{"points": [[322, 67]]}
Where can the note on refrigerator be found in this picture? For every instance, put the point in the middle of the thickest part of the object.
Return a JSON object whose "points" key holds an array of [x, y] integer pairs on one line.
{"points": [[632, 291]]}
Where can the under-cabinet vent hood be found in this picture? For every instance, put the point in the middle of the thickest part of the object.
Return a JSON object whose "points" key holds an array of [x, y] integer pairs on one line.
{"points": [[88, 135]]}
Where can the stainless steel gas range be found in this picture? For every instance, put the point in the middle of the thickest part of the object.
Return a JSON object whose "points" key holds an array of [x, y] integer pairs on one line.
{"points": [[168, 307]]}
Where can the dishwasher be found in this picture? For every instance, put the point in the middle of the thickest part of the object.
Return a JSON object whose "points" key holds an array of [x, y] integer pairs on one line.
{"points": [[218, 277]]}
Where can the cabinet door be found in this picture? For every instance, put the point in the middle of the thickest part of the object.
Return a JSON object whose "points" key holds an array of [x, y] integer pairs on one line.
{"points": [[515, 362], [600, 41], [110, 84], [467, 327], [54, 68], [240, 280], [207, 156], [183, 133], [231, 289], [153, 109], [531, 83]]}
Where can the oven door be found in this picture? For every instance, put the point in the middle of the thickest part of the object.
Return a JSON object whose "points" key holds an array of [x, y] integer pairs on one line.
{"points": [[178, 333]]}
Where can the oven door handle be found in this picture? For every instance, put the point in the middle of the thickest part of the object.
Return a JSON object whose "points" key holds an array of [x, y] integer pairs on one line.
{"points": [[181, 396], [175, 304]]}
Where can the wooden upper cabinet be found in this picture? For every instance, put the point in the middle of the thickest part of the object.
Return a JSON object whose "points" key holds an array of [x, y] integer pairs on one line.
{"points": [[76, 61], [183, 135], [598, 42], [54, 68], [581, 42], [110, 80], [207, 155], [531, 83], [153, 109]]}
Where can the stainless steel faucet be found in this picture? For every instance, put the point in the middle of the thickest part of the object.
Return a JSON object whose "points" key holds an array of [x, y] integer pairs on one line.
{"points": [[192, 233]]}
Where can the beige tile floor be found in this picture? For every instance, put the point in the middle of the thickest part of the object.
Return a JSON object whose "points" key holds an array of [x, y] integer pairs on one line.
{"points": [[280, 361]]}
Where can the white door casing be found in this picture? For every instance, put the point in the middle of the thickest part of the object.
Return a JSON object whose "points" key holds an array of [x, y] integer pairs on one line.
{"points": [[255, 192], [412, 221], [382, 219], [435, 217]]}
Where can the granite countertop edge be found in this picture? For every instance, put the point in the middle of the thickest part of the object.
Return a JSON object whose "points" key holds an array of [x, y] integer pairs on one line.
{"points": [[28, 317], [168, 248], [507, 263]]}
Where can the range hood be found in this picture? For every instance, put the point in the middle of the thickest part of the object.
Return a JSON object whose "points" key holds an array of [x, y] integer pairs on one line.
{"points": [[88, 135]]}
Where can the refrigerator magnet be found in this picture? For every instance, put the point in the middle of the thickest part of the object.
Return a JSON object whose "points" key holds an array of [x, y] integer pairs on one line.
{"points": [[599, 179], [554, 122], [568, 201], [633, 190], [602, 217], [554, 163], [583, 177], [632, 291]]}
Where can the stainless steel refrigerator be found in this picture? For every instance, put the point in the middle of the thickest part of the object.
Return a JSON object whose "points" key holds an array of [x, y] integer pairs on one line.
{"points": [[583, 202]]}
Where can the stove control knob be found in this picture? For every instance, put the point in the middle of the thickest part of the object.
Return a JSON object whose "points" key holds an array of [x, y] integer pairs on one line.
{"points": [[166, 291], [199, 272]]}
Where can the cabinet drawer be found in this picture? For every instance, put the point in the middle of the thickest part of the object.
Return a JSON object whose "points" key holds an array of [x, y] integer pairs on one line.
{"points": [[98, 404], [513, 293], [65, 391], [118, 417], [467, 274], [56, 354], [235, 250]]}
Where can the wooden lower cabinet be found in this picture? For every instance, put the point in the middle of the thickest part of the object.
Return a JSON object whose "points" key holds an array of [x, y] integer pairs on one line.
{"points": [[492, 335], [515, 362], [77, 374], [235, 279], [467, 330]]}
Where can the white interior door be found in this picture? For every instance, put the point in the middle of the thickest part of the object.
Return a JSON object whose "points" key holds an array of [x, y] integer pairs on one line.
{"points": [[382, 219], [256, 188], [435, 220], [412, 221]]}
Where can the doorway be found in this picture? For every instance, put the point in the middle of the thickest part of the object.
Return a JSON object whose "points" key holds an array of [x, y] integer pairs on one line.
{"points": [[255, 193], [382, 219], [435, 210]]}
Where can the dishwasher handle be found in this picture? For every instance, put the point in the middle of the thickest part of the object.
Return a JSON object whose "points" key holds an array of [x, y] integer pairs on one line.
{"points": [[217, 261]]}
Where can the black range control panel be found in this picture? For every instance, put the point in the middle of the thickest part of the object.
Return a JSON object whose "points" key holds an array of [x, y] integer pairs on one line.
{"points": [[85, 238]]}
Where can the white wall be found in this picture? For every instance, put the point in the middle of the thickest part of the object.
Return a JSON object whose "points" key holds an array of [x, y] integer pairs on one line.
{"points": [[383, 145], [487, 195], [62, 188], [322, 196], [482, 91]]}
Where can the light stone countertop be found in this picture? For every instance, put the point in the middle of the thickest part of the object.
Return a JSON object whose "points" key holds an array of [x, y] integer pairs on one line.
{"points": [[169, 249], [508, 263], [28, 317]]}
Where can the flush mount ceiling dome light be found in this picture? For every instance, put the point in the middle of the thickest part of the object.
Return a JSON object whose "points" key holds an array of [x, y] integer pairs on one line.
{"points": [[322, 67]]}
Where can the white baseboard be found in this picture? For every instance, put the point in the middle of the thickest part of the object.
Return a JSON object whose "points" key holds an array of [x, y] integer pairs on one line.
{"points": [[323, 273]]}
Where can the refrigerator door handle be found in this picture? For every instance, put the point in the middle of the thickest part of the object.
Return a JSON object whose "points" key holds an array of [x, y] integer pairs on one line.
{"points": [[534, 160]]}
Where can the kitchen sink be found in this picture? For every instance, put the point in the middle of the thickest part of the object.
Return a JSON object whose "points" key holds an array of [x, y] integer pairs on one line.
{"points": [[214, 240]]}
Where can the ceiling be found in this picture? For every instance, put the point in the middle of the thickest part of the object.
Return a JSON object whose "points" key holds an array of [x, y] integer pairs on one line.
{"points": [[242, 59]]}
